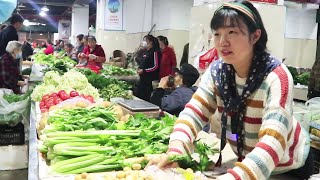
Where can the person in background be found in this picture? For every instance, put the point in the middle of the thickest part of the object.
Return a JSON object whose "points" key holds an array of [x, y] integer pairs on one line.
{"points": [[10, 33], [94, 54], [70, 51], [168, 60], [185, 55], [149, 68], [175, 101], [59, 45], [27, 50], [49, 47], [9, 67], [314, 80], [253, 94], [80, 45]]}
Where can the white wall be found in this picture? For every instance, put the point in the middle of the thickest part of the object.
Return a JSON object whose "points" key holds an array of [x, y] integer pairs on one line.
{"points": [[138, 15]]}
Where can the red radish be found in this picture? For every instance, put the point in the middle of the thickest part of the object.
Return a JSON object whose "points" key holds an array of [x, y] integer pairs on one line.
{"points": [[74, 93]]}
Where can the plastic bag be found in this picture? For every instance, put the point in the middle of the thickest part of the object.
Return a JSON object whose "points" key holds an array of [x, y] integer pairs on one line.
{"points": [[37, 70], [12, 114]]}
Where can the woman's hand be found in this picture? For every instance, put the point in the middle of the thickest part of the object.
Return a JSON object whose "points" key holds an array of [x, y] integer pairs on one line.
{"points": [[163, 82], [92, 57], [21, 83], [163, 162]]}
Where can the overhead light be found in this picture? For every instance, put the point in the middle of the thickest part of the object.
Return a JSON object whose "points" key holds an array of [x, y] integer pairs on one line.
{"points": [[42, 13], [43, 24], [41, 34], [26, 22], [45, 9]]}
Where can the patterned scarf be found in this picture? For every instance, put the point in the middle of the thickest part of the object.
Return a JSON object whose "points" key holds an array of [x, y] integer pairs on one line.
{"points": [[234, 104]]}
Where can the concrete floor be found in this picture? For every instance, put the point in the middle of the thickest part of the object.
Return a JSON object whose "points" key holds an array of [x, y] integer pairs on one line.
{"points": [[14, 175]]}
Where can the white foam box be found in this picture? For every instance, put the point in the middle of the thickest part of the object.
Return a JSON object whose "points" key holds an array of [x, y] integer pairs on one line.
{"points": [[13, 157]]}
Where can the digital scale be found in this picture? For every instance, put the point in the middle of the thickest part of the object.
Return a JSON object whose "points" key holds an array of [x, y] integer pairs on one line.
{"points": [[140, 106]]}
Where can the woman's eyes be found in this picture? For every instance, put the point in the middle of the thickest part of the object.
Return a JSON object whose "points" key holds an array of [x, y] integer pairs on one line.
{"points": [[232, 32]]}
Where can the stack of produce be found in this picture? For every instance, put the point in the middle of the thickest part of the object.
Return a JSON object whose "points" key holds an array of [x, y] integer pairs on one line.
{"points": [[302, 78], [70, 81], [117, 71], [100, 139], [108, 87], [60, 65], [53, 99]]}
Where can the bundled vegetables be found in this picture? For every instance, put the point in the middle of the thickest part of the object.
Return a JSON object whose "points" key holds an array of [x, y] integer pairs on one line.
{"points": [[108, 87], [70, 81], [94, 150], [303, 78], [117, 71]]}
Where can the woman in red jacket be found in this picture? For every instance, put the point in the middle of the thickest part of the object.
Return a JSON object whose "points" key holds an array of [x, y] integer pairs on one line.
{"points": [[168, 60], [94, 54], [49, 49]]}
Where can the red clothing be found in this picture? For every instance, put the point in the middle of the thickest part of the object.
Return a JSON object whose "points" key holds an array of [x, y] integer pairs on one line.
{"points": [[168, 62], [49, 49], [98, 51], [9, 73]]}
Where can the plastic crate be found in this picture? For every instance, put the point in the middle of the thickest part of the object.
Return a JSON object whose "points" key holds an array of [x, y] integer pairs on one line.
{"points": [[316, 159], [12, 135]]}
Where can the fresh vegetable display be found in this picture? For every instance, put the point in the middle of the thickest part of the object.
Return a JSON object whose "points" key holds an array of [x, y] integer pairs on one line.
{"points": [[70, 81], [303, 78], [108, 87], [117, 71], [95, 140], [11, 98], [199, 161], [49, 100]]}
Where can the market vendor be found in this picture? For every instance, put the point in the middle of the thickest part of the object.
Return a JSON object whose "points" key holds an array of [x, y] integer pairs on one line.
{"points": [[252, 92], [70, 51], [49, 47], [148, 68], [9, 67], [94, 53], [174, 102], [168, 60]]}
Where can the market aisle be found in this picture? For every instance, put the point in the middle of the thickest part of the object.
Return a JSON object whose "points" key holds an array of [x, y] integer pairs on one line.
{"points": [[14, 175]]}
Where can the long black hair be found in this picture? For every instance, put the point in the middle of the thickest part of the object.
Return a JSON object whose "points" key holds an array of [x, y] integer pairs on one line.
{"points": [[155, 42], [164, 40], [225, 14]]}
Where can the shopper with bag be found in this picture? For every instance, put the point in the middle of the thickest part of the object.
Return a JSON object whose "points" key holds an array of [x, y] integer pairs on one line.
{"points": [[253, 93], [9, 67]]}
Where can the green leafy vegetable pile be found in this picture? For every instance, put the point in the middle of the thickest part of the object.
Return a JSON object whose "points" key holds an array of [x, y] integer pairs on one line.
{"points": [[103, 150], [117, 71], [199, 163], [303, 78], [11, 98], [71, 80], [108, 87]]}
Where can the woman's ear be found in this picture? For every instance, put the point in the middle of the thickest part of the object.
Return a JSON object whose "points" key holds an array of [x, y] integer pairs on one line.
{"points": [[255, 36]]}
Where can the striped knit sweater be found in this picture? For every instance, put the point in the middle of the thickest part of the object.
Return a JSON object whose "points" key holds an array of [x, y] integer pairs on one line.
{"points": [[274, 141]]}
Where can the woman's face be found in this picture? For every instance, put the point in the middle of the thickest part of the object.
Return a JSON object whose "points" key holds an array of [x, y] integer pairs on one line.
{"points": [[92, 43], [235, 44], [67, 49], [149, 43], [85, 42]]}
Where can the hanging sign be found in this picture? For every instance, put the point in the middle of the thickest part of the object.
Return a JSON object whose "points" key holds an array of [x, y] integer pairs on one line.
{"points": [[114, 15]]}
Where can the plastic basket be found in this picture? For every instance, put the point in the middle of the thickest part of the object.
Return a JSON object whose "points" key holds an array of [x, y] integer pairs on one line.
{"points": [[12, 135]]}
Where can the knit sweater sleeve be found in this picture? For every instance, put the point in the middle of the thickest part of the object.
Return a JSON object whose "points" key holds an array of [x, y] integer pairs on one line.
{"points": [[273, 134], [195, 115]]}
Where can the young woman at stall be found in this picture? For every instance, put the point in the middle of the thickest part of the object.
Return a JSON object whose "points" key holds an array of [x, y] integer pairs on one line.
{"points": [[148, 68], [94, 54], [168, 60], [253, 93]]}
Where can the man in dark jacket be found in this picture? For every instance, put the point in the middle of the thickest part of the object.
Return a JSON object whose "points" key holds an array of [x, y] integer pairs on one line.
{"points": [[26, 50], [175, 101], [10, 33]]}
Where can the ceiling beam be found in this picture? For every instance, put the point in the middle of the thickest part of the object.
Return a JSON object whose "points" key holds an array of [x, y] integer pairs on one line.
{"points": [[45, 3]]}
